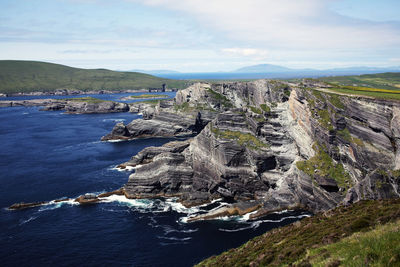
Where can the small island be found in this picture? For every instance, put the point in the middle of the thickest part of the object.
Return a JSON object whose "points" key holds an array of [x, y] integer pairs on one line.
{"points": [[145, 96]]}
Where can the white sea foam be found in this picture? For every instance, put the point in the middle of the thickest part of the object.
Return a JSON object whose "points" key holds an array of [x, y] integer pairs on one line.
{"points": [[114, 120], [174, 238], [28, 220], [140, 205], [126, 169]]}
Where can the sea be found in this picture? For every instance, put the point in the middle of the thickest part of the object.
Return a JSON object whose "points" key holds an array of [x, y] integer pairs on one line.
{"points": [[47, 155]]}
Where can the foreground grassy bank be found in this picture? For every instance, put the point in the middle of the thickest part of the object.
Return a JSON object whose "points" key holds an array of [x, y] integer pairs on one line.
{"points": [[32, 76], [326, 239]]}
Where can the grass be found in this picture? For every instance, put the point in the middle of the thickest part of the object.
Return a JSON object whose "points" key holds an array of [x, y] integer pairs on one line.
{"points": [[345, 133], [265, 107], [389, 81], [325, 119], [148, 96], [30, 76], [378, 247], [290, 244], [223, 100], [323, 165], [87, 99], [256, 110], [243, 139]]}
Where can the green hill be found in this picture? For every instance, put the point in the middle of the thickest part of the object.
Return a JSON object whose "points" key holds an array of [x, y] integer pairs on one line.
{"points": [[364, 234], [30, 76]]}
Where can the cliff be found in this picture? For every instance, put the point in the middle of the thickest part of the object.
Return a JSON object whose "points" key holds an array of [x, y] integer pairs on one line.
{"points": [[266, 146]]}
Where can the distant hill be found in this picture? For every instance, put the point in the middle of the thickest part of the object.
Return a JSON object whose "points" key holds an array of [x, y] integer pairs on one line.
{"points": [[31, 76], [264, 68]]}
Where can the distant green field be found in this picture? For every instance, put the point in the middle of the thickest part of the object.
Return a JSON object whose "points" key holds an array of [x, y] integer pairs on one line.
{"points": [[30, 76], [383, 85], [390, 80]]}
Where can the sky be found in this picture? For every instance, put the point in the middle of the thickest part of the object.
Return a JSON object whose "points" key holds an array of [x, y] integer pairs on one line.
{"points": [[201, 35]]}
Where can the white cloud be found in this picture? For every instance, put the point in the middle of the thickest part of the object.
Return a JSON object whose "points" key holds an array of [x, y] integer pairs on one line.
{"points": [[286, 24], [245, 52]]}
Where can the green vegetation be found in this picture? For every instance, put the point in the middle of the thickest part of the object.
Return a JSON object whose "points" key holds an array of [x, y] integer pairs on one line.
{"points": [[30, 76], [220, 98], [256, 110], [345, 133], [243, 139], [148, 96], [265, 107], [389, 81], [87, 99], [384, 85], [325, 119], [335, 100], [323, 165], [297, 243], [379, 247]]}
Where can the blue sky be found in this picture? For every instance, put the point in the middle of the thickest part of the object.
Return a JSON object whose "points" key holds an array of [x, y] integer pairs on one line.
{"points": [[201, 35]]}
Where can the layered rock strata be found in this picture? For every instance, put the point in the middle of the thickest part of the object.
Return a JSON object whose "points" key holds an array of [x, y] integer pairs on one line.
{"points": [[269, 144]]}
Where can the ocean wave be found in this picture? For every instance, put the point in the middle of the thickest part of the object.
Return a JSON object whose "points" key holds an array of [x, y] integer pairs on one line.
{"points": [[28, 220], [173, 243], [174, 238], [237, 229]]}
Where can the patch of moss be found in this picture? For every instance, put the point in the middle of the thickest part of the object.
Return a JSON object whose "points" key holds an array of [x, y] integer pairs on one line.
{"points": [[243, 139], [323, 165], [184, 107], [265, 107], [335, 100], [318, 95], [325, 119], [256, 110], [220, 98], [345, 133]]}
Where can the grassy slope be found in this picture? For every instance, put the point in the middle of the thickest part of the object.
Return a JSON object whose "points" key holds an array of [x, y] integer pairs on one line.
{"points": [[296, 243], [30, 76], [381, 80]]}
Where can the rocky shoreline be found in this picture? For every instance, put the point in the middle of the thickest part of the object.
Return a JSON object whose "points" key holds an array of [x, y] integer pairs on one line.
{"points": [[263, 146], [71, 105], [266, 146]]}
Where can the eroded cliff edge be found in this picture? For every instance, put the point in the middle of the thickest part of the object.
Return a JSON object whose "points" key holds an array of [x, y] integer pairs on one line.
{"points": [[266, 146]]}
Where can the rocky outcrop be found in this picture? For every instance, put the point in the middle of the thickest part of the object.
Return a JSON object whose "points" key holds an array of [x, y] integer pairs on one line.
{"points": [[184, 116], [273, 144], [71, 106]]}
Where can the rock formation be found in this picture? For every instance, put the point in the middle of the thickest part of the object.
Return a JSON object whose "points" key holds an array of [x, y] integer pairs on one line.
{"points": [[266, 146], [86, 105]]}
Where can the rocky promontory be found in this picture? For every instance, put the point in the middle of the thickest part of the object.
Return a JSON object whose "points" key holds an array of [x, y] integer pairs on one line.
{"points": [[266, 146], [83, 105]]}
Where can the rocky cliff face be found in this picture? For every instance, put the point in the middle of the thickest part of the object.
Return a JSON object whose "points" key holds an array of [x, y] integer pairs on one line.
{"points": [[267, 145]]}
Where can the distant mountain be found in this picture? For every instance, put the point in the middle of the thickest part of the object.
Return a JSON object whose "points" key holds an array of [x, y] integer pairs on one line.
{"points": [[30, 76], [263, 68]]}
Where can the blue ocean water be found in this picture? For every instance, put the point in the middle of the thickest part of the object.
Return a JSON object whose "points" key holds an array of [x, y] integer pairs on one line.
{"points": [[50, 155]]}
